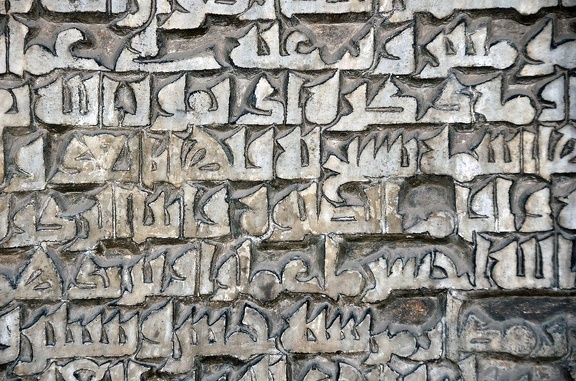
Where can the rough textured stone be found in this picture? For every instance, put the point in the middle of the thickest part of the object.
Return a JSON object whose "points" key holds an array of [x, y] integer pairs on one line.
{"points": [[287, 190]]}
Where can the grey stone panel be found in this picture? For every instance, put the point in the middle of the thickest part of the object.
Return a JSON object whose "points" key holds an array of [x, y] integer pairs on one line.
{"points": [[287, 190]]}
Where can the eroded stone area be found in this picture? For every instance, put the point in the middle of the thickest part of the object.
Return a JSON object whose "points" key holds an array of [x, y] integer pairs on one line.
{"points": [[266, 190]]}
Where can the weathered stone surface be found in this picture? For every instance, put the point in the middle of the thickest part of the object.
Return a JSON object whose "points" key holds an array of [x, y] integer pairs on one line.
{"points": [[287, 190]]}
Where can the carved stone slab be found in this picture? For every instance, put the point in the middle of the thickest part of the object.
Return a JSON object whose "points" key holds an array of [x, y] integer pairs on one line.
{"points": [[257, 190]]}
